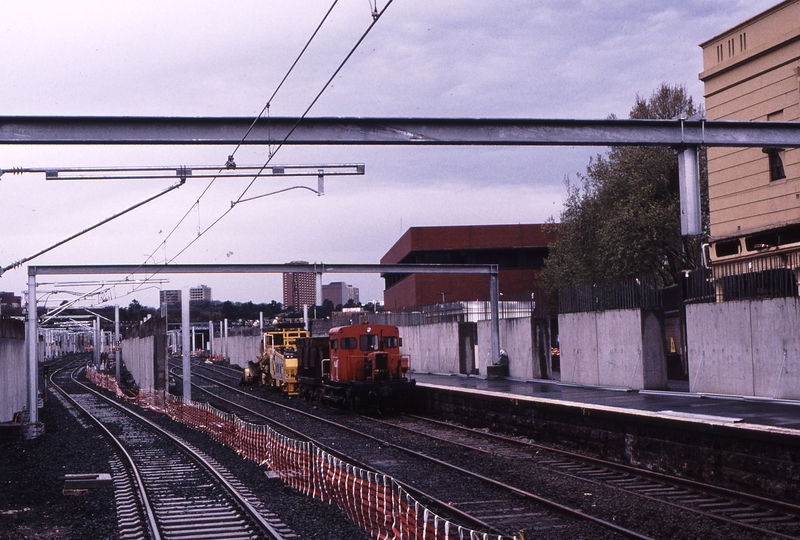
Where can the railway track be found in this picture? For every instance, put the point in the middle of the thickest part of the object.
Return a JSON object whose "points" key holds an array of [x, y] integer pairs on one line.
{"points": [[164, 487], [480, 502], [742, 510], [520, 465]]}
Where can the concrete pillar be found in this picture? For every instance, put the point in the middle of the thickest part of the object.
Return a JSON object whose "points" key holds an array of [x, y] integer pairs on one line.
{"points": [[225, 341], [185, 347], [33, 365], [494, 296], [117, 359], [210, 337]]}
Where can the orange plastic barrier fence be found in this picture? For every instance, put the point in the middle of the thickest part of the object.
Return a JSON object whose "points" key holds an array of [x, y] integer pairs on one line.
{"points": [[375, 502]]}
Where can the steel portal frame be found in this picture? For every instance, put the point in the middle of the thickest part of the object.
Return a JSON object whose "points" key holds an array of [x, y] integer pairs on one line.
{"points": [[685, 135]]}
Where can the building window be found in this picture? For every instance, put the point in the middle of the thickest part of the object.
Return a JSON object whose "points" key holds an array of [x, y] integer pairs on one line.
{"points": [[731, 47], [775, 155], [727, 248], [720, 56], [743, 41]]}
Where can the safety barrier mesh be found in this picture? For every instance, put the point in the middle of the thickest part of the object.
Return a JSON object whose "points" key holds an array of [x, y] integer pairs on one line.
{"points": [[375, 502]]}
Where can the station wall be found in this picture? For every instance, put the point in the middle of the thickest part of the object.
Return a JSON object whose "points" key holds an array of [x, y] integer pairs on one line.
{"points": [[13, 369], [240, 349], [620, 348], [138, 355], [144, 352], [434, 348], [518, 337], [745, 348]]}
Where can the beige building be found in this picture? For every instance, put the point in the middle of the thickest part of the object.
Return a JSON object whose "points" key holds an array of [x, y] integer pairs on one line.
{"points": [[752, 72]]}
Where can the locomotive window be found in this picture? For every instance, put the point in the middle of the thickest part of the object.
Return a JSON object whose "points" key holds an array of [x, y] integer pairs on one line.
{"points": [[348, 343], [390, 342], [369, 342], [334, 343]]}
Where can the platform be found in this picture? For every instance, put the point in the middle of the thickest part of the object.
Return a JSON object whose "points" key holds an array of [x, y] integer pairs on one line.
{"points": [[676, 404]]}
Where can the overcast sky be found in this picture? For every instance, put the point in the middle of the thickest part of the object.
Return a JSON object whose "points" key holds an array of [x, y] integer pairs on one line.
{"points": [[465, 58]]}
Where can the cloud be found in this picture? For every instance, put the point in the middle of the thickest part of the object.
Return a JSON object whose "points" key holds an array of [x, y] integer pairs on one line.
{"points": [[546, 59]]}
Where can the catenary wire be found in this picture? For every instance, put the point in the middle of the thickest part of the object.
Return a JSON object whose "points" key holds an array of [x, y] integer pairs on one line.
{"points": [[255, 120], [325, 86], [286, 76], [314, 101]]}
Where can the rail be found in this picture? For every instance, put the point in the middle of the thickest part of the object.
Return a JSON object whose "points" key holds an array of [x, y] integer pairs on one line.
{"points": [[375, 502]]}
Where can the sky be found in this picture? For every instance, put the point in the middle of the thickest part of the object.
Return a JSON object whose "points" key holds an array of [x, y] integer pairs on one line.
{"points": [[581, 59]]}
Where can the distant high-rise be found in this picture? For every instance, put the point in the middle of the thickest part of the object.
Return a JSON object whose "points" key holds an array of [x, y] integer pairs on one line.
{"points": [[339, 292], [201, 293], [169, 296], [299, 288]]}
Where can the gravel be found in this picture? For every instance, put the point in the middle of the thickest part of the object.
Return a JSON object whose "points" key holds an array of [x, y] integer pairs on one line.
{"points": [[33, 506], [32, 502]]}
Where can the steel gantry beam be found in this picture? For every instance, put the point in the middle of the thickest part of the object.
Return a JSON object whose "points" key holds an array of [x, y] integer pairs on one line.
{"points": [[394, 131]]}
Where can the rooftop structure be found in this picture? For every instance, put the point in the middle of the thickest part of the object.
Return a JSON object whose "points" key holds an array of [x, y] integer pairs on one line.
{"points": [[518, 250]]}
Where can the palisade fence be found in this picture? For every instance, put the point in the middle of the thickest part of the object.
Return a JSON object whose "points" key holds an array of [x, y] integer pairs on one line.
{"points": [[374, 501], [767, 277], [642, 293]]}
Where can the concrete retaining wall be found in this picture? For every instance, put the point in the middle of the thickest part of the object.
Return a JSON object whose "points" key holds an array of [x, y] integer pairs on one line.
{"points": [[432, 348], [13, 372], [515, 339], [620, 348], [746, 348], [144, 352], [241, 349], [137, 353]]}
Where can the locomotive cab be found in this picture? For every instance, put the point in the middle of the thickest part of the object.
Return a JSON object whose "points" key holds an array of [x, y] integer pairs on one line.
{"points": [[367, 353], [358, 366]]}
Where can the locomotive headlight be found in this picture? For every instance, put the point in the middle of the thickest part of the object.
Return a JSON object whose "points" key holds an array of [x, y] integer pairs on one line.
{"points": [[369, 329]]}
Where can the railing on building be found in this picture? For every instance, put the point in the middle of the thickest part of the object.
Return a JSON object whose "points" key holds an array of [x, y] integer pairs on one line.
{"points": [[438, 313], [769, 276]]}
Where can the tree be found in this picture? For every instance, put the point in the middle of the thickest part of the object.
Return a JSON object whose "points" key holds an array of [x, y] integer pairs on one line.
{"points": [[623, 220], [135, 312]]}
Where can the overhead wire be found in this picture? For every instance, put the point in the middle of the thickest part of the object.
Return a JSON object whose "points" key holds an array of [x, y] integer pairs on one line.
{"points": [[286, 76], [230, 162], [316, 98], [376, 16], [96, 225]]}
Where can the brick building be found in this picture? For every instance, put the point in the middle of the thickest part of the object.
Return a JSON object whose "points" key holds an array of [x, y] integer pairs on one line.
{"points": [[299, 289], [519, 250]]}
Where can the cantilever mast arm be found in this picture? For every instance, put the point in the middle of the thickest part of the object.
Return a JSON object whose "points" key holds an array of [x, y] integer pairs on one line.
{"points": [[96, 225]]}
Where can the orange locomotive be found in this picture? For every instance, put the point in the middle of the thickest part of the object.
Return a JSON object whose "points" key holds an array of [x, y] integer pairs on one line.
{"points": [[356, 366]]}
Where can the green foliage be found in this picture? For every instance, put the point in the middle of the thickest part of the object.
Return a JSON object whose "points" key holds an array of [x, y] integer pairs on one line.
{"points": [[623, 219], [233, 311], [134, 313]]}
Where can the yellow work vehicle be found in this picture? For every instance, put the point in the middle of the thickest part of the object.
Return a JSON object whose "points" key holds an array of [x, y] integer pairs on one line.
{"points": [[278, 360]]}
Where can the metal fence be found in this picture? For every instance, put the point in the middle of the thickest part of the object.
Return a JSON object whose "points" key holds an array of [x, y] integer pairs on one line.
{"points": [[437, 313], [771, 276], [642, 293], [768, 276]]}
